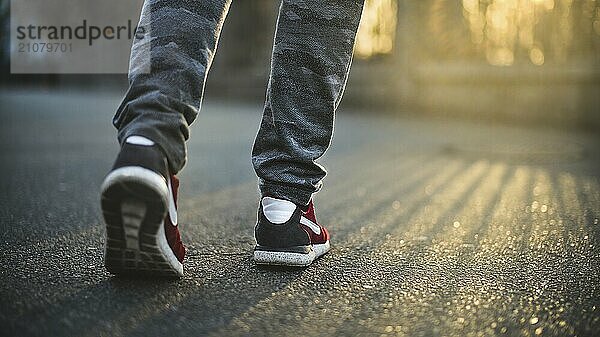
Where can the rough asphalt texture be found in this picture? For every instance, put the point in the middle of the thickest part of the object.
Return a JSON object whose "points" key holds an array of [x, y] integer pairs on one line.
{"points": [[439, 228]]}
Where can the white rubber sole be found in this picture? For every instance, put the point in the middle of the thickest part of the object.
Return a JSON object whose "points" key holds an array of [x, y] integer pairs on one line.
{"points": [[321, 249], [167, 253], [279, 258], [134, 205]]}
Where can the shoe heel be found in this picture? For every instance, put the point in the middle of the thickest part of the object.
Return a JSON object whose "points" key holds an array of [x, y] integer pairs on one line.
{"points": [[134, 210]]}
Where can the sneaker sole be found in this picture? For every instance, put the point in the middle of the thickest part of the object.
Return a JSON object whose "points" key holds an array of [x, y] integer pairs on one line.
{"points": [[276, 257], [321, 249], [134, 205]]}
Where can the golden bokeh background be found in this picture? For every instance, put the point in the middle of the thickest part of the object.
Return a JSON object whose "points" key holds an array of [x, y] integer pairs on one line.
{"points": [[503, 32]]}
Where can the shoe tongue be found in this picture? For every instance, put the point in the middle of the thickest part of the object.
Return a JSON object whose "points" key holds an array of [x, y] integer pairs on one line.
{"points": [[139, 140], [277, 211]]}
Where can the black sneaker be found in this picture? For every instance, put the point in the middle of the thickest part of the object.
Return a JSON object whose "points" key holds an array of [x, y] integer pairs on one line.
{"points": [[297, 242], [138, 204]]}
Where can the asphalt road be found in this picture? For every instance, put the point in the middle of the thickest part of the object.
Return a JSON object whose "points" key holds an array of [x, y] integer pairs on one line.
{"points": [[439, 229]]}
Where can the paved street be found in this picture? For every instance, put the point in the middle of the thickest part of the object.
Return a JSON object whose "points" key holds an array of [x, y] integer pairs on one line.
{"points": [[439, 229]]}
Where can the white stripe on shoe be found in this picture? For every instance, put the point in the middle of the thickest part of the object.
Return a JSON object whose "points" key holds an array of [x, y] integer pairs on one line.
{"points": [[171, 202], [313, 226]]}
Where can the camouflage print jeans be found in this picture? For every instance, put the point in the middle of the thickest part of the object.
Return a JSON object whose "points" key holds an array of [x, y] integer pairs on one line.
{"points": [[311, 58]]}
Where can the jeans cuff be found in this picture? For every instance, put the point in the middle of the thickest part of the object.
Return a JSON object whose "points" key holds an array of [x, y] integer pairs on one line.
{"points": [[175, 152], [298, 196]]}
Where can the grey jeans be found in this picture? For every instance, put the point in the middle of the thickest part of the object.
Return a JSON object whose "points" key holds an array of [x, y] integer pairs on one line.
{"points": [[311, 58]]}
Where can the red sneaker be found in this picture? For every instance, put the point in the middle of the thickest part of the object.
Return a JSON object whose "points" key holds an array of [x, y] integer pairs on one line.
{"points": [[297, 242], [139, 204], [319, 236]]}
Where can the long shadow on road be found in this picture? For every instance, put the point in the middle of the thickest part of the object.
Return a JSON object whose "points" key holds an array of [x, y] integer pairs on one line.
{"points": [[215, 290]]}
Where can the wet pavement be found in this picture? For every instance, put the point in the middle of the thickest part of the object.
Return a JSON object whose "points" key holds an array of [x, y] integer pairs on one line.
{"points": [[439, 229]]}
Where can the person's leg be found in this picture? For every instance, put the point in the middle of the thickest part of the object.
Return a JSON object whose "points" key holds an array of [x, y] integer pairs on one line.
{"points": [[311, 58], [168, 70], [162, 103]]}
